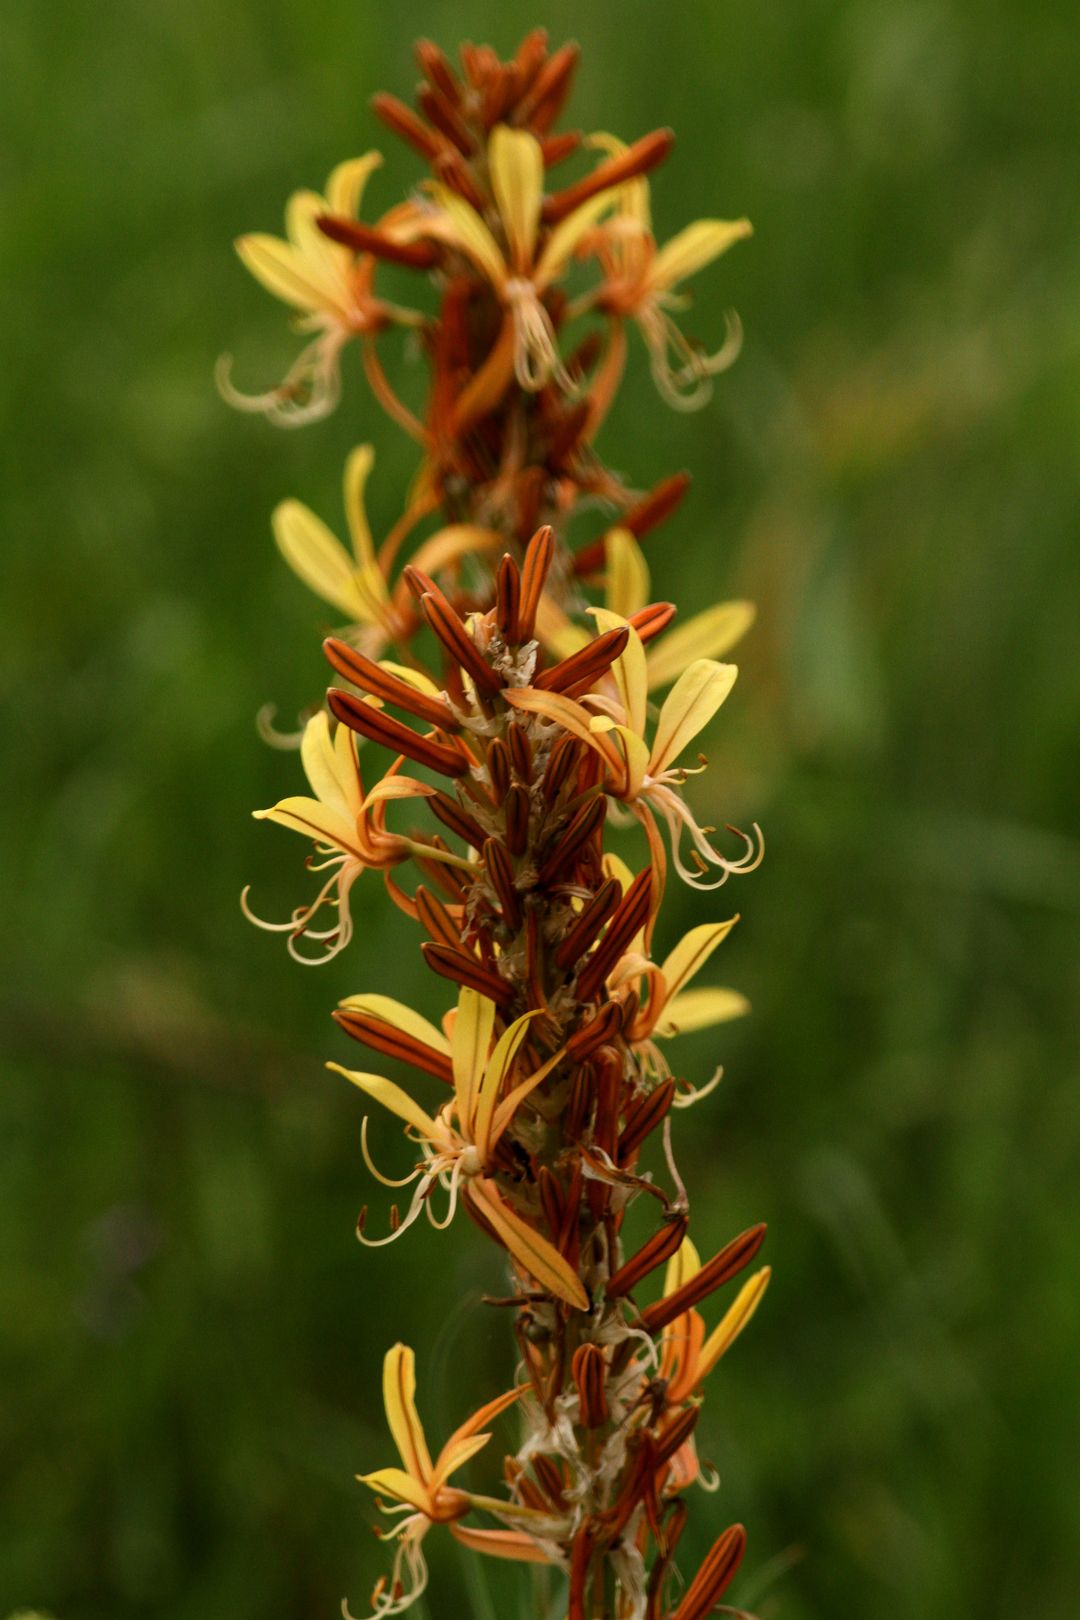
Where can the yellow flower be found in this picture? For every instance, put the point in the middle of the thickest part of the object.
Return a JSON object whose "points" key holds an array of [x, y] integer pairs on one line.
{"points": [[523, 272], [688, 1356], [419, 1486], [349, 830], [669, 1008], [457, 1143], [332, 290], [627, 589], [642, 282], [356, 584], [646, 778]]}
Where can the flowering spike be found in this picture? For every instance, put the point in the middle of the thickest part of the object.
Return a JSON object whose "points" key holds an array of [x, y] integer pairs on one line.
{"points": [[475, 645]]}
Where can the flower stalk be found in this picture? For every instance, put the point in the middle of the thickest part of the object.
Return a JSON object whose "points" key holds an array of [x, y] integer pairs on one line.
{"points": [[519, 676]]}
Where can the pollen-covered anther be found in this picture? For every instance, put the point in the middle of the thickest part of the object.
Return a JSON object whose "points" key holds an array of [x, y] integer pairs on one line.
{"points": [[589, 1370], [656, 1252], [715, 1575], [733, 1258]]}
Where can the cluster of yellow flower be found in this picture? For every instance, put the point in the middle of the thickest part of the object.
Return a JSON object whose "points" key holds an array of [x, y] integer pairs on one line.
{"points": [[534, 731]]}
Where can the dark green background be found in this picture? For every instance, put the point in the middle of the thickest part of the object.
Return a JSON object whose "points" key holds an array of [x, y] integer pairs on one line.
{"points": [[191, 1335]]}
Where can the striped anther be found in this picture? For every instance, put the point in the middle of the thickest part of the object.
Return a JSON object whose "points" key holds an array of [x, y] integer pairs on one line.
{"points": [[507, 597], [643, 1117], [372, 678], [600, 1029], [588, 923], [383, 728], [403, 122], [538, 556], [629, 919], [466, 970], [714, 1577], [361, 238], [587, 665], [733, 1258], [640, 158], [588, 1372], [656, 1252], [436, 919], [652, 621], [450, 630], [457, 820], [383, 1037], [569, 844]]}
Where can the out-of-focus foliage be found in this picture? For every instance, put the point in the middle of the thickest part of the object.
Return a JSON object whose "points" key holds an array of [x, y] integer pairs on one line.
{"points": [[191, 1336]]}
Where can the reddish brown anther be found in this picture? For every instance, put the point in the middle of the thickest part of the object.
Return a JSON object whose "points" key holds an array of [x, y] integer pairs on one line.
{"points": [[733, 1258], [516, 818], [538, 556], [500, 872], [588, 923], [584, 668], [402, 121], [383, 728], [588, 1372], [584, 826], [507, 597], [642, 1118], [714, 1577], [638, 159], [380, 1036], [450, 630], [656, 1252], [652, 621], [629, 919], [437, 920], [602, 1027], [466, 970], [370, 677], [361, 238], [457, 820]]}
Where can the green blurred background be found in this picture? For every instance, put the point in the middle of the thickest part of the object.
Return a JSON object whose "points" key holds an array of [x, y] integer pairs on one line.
{"points": [[191, 1336]]}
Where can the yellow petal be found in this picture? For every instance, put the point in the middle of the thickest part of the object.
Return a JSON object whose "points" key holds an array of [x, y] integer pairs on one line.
{"points": [[357, 471], [314, 820], [319, 559], [328, 260], [706, 635], [738, 1315], [496, 1070], [692, 952], [329, 767], [345, 187], [398, 787], [633, 198], [398, 1016], [684, 1264], [693, 248], [403, 1487], [412, 677], [462, 227], [628, 670], [700, 1009], [517, 178], [399, 1398], [470, 1044], [455, 1456], [564, 239], [616, 867], [393, 1098], [688, 708], [627, 573], [534, 1253], [285, 272]]}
